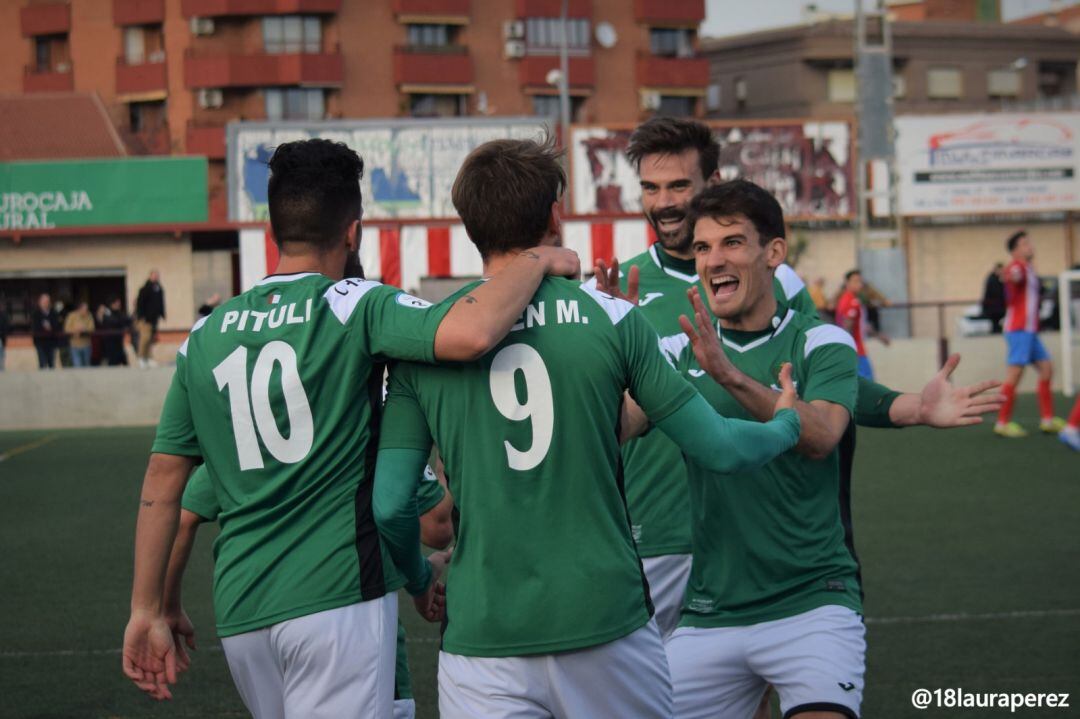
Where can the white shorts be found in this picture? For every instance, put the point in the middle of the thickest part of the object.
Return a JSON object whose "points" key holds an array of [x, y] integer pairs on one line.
{"points": [[624, 678], [815, 660], [337, 663], [404, 709], [667, 575]]}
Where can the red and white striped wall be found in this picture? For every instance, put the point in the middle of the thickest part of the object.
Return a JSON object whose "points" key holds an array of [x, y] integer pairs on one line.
{"points": [[400, 254]]}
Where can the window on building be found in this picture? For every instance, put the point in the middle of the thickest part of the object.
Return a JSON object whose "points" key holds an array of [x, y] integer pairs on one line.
{"points": [[742, 92], [143, 43], [146, 116], [1003, 83], [677, 106], [423, 35], [134, 45], [436, 105], [944, 83], [292, 34], [899, 83], [548, 106], [1056, 79], [543, 35], [671, 42], [51, 53], [713, 97], [295, 103], [841, 85]]}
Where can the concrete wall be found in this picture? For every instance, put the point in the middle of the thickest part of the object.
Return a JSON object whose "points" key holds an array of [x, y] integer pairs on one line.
{"points": [[907, 364], [116, 397], [100, 397]]}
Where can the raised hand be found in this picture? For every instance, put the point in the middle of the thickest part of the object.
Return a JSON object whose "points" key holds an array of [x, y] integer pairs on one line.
{"points": [[558, 261], [149, 655], [787, 390], [943, 405], [607, 281], [704, 341]]}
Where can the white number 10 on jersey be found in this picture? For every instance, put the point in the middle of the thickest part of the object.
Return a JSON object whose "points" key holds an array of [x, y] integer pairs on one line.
{"points": [[538, 407], [232, 373]]}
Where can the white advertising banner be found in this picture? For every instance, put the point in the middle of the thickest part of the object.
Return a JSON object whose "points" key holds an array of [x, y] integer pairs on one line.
{"points": [[996, 163]]}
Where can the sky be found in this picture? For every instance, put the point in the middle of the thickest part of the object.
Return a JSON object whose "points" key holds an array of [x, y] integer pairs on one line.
{"points": [[732, 17]]}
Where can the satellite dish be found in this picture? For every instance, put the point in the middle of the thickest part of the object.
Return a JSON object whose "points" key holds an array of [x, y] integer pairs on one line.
{"points": [[554, 76], [606, 35]]}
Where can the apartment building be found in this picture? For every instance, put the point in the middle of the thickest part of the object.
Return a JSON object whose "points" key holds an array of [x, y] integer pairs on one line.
{"points": [[172, 73], [939, 66]]}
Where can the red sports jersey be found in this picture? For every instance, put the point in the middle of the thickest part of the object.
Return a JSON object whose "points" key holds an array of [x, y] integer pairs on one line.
{"points": [[1021, 297], [849, 310]]}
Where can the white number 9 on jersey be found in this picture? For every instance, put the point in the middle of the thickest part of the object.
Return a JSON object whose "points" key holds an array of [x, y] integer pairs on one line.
{"points": [[537, 408]]}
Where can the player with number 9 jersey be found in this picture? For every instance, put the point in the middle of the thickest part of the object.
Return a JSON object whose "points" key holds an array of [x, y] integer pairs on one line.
{"points": [[279, 391], [546, 604]]}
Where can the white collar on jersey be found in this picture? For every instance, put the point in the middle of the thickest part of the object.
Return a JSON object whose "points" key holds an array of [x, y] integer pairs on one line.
{"points": [[778, 327], [674, 273], [270, 279]]}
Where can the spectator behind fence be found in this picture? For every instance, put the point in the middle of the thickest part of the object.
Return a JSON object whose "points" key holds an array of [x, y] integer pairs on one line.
{"points": [[5, 328], [114, 323], [44, 324], [79, 326], [149, 310], [821, 301], [993, 299]]}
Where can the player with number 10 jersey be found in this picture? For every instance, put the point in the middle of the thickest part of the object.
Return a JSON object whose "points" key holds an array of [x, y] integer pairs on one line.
{"points": [[277, 390]]}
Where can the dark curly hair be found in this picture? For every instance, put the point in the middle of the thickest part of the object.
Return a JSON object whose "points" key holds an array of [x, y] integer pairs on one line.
{"points": [[672, 136], [314, 191], [740, 197]]}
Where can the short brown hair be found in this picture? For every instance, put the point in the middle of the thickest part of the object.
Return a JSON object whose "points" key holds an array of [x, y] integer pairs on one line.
{"points": [[673, 136], [504, 192]]}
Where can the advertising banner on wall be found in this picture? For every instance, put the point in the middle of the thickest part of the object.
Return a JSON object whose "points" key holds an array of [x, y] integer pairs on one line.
{"points": [[409, 165], [85, 193], [806, 165], [969, 164]]}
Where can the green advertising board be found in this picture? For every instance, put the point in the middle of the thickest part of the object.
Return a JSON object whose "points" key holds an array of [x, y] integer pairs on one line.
{"points": [[86, 193]]}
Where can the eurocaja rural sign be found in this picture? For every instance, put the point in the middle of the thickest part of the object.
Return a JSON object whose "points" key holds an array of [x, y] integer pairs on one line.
{"points": [[87, 193]]}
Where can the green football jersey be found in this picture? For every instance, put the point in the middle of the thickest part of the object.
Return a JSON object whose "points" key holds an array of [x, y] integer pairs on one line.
{"points": [[769, 544], [544, 560], [275, 390], [429, 492], [656, 488], [199, 495]]}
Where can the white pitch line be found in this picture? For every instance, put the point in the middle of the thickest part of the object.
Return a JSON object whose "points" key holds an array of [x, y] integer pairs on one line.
{"points": [[213, 649], [965, 617]]}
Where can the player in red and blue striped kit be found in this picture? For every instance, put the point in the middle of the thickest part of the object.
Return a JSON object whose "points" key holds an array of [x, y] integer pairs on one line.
{"points": [[1021, 336]]}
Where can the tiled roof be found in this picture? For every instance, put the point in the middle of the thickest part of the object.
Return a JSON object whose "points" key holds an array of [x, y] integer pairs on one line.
{"points": [[50, 126]]}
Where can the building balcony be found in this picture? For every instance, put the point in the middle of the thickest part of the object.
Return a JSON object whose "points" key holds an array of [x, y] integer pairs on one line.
{"points": [[148, 142], [421, 9], [669, 12], [653, 71], [533, 71], [50, 81], [208, 140], [138, 12], [263, 70], [45, 19], [222, 8], [553, 8], [451, 65], [143, 78]]}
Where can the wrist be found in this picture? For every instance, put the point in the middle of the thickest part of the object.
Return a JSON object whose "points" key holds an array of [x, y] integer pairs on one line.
{"points": [[421, 584]]}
